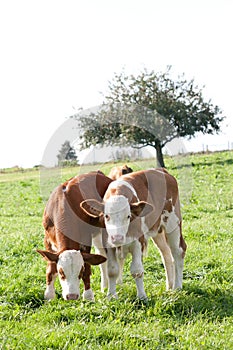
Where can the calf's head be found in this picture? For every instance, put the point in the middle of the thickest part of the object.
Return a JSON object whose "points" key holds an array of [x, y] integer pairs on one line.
{"points": [[70, 268], [116, 213]]}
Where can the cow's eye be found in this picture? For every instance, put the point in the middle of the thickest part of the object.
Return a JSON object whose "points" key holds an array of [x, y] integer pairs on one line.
{"points": [[129, 217], [62, 274], [107, 217]]}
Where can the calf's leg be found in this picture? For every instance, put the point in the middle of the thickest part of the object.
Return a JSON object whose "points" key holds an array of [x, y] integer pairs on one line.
{"points": [[99, 249], [178, 248], [51, 274], [121, 268], [88, 293], [167, 259], [137, 270], [113, 272]]}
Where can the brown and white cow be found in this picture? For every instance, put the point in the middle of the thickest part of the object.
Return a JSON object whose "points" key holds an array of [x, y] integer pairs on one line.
{"points": [[68, 235], [118, 171], [135, 207]]}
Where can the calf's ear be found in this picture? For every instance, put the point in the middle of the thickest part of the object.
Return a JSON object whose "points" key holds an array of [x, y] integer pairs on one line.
{"points": [[93, 259], [92, 207], [48, 255], [141, 208]]}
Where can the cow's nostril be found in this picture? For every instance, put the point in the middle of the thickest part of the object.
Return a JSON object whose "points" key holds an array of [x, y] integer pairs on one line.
{"points": [[72, 297], [117, 238]]}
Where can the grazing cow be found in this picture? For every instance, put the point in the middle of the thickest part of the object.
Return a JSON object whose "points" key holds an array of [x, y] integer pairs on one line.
{"points": [[117, 171], [135, 207], [68, 235]]}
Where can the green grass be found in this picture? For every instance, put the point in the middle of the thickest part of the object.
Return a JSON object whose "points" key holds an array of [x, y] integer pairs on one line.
{"points": [[198, 317]]}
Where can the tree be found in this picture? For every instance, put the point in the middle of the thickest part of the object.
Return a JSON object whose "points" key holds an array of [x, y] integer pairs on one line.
{"points": [[150, 109], [67, 155]]}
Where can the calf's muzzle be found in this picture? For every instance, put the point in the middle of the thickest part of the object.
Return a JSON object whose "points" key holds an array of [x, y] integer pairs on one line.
{"points": [[72, 296]]}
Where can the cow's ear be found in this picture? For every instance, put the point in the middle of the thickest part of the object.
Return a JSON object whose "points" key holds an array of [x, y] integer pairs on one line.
{"points": [[93, 259], [48, 255], [141, 208], [92, 207]]}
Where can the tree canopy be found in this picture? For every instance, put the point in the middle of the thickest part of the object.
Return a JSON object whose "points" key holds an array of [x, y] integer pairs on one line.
{"points": [[150, 109], [66, 155]]}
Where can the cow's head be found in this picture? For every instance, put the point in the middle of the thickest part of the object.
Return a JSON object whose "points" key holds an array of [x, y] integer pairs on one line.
{"points": [[70, 268], [117, 213], [126, 170]]}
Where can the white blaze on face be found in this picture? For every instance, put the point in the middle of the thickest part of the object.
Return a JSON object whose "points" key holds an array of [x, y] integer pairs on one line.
{"points": [[70, 267], [117, 219]]}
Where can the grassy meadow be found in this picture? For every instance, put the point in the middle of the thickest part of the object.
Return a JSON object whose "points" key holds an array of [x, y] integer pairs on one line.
{"points": [[198, 317]]}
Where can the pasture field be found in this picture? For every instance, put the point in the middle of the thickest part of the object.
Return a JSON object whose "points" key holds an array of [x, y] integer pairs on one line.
{"points": [[198, 317]]}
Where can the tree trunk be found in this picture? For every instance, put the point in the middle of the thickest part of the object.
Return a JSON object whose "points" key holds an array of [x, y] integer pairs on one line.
{"points": [[159, 153]]}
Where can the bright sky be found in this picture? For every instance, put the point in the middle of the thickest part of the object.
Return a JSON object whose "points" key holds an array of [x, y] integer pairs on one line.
{"points": [[58, 56]]}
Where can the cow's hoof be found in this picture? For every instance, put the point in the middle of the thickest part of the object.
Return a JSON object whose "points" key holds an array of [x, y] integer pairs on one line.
{"points": [[88, 295], [119, 281], [112, 296], [49, 295], [143, 298]]}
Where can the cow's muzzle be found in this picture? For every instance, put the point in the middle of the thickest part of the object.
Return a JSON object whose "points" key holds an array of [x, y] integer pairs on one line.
{"points": [[117, 239], [72, 296]]}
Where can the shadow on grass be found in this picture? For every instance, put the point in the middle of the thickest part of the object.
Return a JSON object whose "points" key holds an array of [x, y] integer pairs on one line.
{"points": [[28, 300], [189, 303], [192, 300], [204, 163], [216, 162]]}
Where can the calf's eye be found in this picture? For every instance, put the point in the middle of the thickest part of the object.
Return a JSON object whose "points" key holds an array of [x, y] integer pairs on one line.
{"points": [[107, 217], [62, 274]]}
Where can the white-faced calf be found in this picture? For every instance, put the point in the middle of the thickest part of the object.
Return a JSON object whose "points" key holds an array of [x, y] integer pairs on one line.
{"points": [[68, 235], [69, 265], [136, 207]]}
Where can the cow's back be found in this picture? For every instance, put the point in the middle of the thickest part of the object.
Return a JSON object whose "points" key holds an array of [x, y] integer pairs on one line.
{"points": [[63, 207], [157, 187]]}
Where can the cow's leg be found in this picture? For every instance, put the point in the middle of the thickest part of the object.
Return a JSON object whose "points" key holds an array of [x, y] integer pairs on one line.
{"points": [[88, 293], [167, 258], [97, 242], [178, 247], [121, 259], [137, 270], [121, 267], [51, 274], [113, 272], [104, 275]]}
